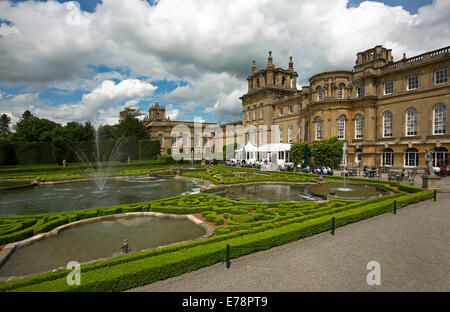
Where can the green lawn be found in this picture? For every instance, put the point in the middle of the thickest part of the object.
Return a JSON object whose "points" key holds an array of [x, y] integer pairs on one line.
{"points": [[54, 172]]}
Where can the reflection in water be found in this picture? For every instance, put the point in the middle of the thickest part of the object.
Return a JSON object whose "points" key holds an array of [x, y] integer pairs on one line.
{"points": [[84, 195], [267, 193], [97, 240]]}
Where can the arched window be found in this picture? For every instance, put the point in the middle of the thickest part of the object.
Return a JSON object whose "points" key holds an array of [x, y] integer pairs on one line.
{"points": [[261, 112], [319, 94], [161, 140], [411, 121], [318, 121], [387, 124], [359, 126], [341, 127], [387, 157], [358, 156], [411, 157], [440, 157], [440, 119], [340, 93]]}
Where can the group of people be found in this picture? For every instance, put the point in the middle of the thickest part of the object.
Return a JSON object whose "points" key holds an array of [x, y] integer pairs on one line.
{"points": [[324, 170], [372, 172]]}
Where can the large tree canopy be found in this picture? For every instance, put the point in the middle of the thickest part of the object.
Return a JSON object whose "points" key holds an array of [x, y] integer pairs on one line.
{"points": [[327, 152]]}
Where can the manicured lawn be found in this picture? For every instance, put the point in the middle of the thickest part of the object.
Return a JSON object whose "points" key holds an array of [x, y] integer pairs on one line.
{"points": [[54, 172]]}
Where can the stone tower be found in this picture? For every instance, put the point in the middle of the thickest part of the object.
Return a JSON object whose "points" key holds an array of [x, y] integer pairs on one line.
{"points": [[156, 112]]}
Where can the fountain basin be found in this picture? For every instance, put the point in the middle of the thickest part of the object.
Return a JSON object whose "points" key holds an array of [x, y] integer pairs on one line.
{"points": [[98, 239], [57, 197], [351, 191], [266, 192]]}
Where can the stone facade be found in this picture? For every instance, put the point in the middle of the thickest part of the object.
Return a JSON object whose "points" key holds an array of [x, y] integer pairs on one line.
{"points": [[388, 112], [160, 128]]}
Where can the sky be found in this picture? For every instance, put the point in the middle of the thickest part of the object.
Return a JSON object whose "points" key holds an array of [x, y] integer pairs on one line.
{"points": [[87, 60]]}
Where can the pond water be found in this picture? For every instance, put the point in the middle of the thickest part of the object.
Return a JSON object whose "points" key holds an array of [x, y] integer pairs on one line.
{"points": [[97, 240], [267, 193], [351, 190], [84, 195]]}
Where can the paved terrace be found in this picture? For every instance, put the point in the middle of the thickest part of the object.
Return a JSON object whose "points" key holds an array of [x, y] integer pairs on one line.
{"points": [[412, 248]]}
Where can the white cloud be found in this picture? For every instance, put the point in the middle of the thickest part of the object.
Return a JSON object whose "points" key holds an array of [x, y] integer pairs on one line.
{"points": [[52, 44], [104, 101]]}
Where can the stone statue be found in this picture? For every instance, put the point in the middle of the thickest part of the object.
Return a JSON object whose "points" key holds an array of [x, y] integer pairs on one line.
{"points": [[429, 159], [125, 249]]}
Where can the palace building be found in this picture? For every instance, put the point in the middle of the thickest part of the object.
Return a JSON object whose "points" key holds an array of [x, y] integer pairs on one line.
{"points": [[388, 112]]}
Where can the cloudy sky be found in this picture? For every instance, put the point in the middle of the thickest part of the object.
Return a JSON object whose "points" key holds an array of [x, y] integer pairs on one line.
{"points": [[86, 60]]}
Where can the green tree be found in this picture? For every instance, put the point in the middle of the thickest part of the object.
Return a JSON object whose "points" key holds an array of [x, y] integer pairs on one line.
{"points": [[32, 129], [298, 152], [76, 131], [7, 155], [130, 129], [327, 152], [5, 121], [130, 126]]}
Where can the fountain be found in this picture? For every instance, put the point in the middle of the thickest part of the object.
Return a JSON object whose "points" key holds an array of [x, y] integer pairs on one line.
{"points": [[100, 175], [344, 164]]}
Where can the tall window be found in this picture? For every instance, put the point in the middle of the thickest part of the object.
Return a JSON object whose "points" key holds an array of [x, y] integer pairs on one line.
{"points": [[318, 128], [290, 134], [358, 156], [411, 157], [341, 127], [281, 134], [196, 140], [411, 121], [441, 76], [185, 140], [440, 157], [254, 113], [281, 111], [261, 112], [291, 109], [413, 82], [387, 124], [319, 94], [387, 157], [359, 126], [300, 132], [261, 136], [248, 114], [340, 92], [174, 140], [360, 92], [440, 119], [388, 87], [161, 140]]}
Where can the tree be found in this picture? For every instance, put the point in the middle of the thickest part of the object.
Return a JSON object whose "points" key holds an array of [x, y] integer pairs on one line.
{"points": [[298, 152], [32, 129], [76, 131], [130, 126], [5, 121], [327, 152], [130, 129]]}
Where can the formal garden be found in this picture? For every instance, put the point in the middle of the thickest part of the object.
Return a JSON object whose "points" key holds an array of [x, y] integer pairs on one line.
{"points": [[246, 226]]}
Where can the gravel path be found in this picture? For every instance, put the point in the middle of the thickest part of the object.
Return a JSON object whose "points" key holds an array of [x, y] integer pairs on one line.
{"points": [[412, 248]]}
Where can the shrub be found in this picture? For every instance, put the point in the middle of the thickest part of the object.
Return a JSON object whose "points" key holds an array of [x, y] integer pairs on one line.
{"points": [[7, 155]]}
